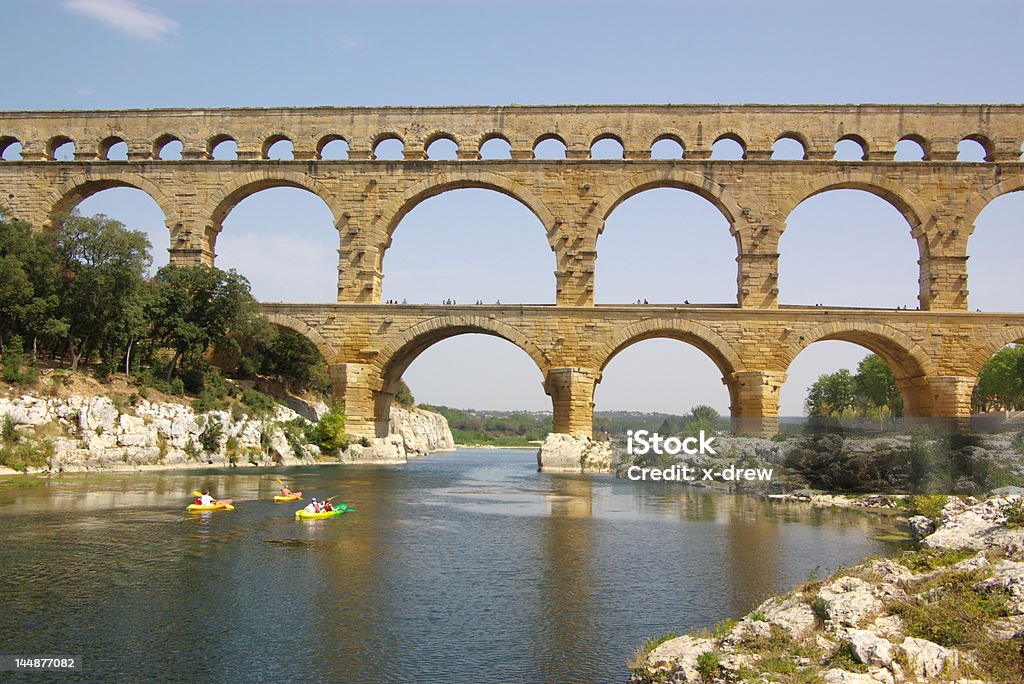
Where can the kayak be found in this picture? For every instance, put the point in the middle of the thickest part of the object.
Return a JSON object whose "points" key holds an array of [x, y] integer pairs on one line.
{"points": [[297, 496], [303, 514], [223, 505]]}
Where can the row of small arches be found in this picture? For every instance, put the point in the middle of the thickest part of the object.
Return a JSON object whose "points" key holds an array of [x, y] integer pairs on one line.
{"points": [[389, 146]]}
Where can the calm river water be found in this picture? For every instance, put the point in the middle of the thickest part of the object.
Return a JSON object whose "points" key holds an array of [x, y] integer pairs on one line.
{"points": [[460, 567]]}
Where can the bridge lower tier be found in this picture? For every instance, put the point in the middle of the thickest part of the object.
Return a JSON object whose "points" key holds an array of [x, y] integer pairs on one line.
{"points": [[935, 356]]}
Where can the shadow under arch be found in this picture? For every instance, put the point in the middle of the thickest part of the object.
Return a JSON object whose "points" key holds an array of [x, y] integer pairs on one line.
{"points": [[398, 354], [282, 321], [78, 188], [908, 362]]}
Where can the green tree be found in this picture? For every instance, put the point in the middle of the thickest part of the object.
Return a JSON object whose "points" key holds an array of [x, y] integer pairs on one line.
{"points": [[195, 307], [876, 385], [1001, 381], [101, 270], [831, 394], [403, 395]]}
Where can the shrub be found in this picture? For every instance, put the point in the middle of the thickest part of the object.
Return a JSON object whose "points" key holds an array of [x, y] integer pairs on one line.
{"points": [[1014, 512], [10, 429], [257, 401], [25, 455], [707, 665], [209, 439], [928, 505], [330, 431]]}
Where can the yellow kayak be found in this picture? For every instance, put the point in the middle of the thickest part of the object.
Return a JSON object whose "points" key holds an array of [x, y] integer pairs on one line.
{"points": [[219, 506], [297, 496], [303, 514]]}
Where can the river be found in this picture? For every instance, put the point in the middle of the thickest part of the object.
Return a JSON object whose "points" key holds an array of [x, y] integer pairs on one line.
{"points": [[466, 566]]}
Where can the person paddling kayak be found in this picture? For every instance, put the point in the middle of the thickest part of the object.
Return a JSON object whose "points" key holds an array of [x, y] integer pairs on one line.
{"points": [[312, 506], [206, 499], [285, 491]]}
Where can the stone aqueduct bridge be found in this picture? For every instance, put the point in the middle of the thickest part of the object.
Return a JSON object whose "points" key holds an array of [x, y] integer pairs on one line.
{"points": [[936, 352]]}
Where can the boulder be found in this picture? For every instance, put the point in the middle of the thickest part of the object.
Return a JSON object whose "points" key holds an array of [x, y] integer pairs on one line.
{"points": [[679, 656], [574, 454], [926, 659], [848, 601]]}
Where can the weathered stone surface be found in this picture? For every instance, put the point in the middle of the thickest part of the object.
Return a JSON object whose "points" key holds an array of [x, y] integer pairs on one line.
{"points": [[869, 648], [791, 613], [980, 526], [936, 353], [423, 432], [927, 659], [849, 601], [680, 657], [574, 454]]}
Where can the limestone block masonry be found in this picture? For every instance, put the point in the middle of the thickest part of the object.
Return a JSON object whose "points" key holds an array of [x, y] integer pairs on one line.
{"points": [[936, 352]]}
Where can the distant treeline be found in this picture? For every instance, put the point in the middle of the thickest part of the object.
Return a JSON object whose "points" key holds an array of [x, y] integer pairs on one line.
{"points": [[512, 428]]}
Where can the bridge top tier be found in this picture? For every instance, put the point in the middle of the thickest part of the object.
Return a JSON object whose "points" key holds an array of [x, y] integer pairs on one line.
{"points": [[877, 128]]}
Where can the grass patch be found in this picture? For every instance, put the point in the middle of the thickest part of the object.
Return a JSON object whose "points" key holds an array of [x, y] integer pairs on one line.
{"points": [[25, 455], [1014, 512], [926, 560], [707, 665], [952, 612], [928, 505]]}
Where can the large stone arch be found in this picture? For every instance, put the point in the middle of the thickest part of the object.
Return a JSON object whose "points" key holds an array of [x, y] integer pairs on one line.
{"points": [[906, 357], [80, 187], [907, 360], [399, 352], [982, 200], [703, 338], [914, 211], [309, 333], [681, 179], [244, 185], [397, 208], [1005, 336]]}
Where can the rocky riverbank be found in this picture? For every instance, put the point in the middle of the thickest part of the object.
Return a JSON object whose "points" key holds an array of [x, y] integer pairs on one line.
{"points": [[81, 433], [414, 432], [952, 611]]}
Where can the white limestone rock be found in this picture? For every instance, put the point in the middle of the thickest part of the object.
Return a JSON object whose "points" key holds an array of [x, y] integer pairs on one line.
{"points": [[981, 526], [848, 601], [927, 660], [422, 432], [679, 656], [574, 454]]}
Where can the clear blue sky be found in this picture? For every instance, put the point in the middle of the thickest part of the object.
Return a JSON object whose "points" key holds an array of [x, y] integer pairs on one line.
{"points": [[82, 54]]}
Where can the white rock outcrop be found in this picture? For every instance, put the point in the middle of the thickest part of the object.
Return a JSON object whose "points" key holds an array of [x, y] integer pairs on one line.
{"points": [[574, 454], [414, 432], [92, 433]]}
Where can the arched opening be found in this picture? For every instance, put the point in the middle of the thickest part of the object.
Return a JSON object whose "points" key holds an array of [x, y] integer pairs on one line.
{"points": [[222, 147], [845, 381], [137, 211], [389, 147], [60, 148], [10, 149], [332, 148], [667, 147], [475, 371], [168, 149], [999, 392], [729, 147], [114, 149], [284, 241], [851, 148], [469, 245], [606, 147], [910, 148], [660, 375], [848, 248], [789, 147], [549, 147], [443, 149], [496, 147], [995, 278], [973, 149], [666, 245], [278, 147]]}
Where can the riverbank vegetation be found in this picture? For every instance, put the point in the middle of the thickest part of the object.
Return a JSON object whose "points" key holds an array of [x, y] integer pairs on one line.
{"points": [[77, 296]]}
